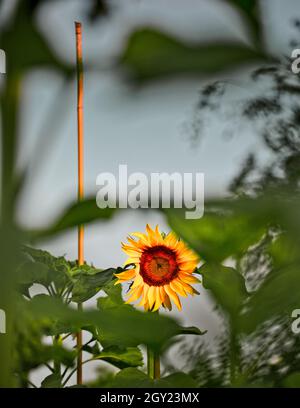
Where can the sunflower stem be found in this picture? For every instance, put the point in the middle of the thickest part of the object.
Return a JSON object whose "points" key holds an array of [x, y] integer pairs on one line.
{"points": [[153, 364]]}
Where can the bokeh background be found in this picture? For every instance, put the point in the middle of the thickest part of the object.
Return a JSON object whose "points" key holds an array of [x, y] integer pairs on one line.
{"points": [[149, 128]]}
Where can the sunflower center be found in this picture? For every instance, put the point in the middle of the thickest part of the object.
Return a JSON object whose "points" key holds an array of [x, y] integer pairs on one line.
{"points": [[158, 265]]}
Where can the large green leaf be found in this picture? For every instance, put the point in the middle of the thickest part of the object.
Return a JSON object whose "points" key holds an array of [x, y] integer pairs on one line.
{"points": [[227, 287], [121, 357], [114, 300], [131, 377], [216, 236], [277, 296], [176, 380], [292, 381], [119, 326], [134, 378], [78, 213], [150, 54]]}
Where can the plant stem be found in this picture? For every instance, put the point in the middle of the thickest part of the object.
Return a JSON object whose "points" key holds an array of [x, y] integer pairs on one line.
{"points": [[74, 371], [153, 364], [57, 365]]}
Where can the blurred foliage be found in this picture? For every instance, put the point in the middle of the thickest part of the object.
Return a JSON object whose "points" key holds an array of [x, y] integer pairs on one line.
{"points": [[256, 230], [150, 54], [126, 378]]}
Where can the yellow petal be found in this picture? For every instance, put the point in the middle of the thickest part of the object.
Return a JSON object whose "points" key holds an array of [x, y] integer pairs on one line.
{"points": [[144, 295], [173, 296], [127, 275], [177, 287], [136, 294], [187, 278], [132, 260], [171, 240], [158, 301], [137, 281], [188, 288], [131, 251], [143, 238], [151, 296], [165, 298], [136, 244]]}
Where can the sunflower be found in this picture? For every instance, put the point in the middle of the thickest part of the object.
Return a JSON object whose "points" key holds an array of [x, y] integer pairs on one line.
{"points": [[164, 268]]}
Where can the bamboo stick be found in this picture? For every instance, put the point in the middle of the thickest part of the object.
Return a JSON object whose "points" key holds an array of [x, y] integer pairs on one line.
{"points": [[78, 31]]}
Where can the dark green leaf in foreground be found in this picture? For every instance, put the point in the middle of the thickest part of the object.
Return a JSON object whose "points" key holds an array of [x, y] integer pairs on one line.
{"points": [[176, 380], [132, 377], [120, 326], [226, 285], [151, 54], [292, 381], [275, 297], [76, 214], [216, 236]]}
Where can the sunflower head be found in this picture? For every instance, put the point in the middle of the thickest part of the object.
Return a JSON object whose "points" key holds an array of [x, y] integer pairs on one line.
{"points": [[164, 268]]}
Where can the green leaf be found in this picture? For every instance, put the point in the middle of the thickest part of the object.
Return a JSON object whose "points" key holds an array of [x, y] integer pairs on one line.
{"points": [[36, 51], [119, 326], [176, 380], [31, 273], [132, 377], [216, 236], [122, 357], [227, 287], [52, 381], [114, 297], [76, 214], [275, 297], [292, 381], [44, 268], [83, 281], [151, 54], [87, 284]]}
